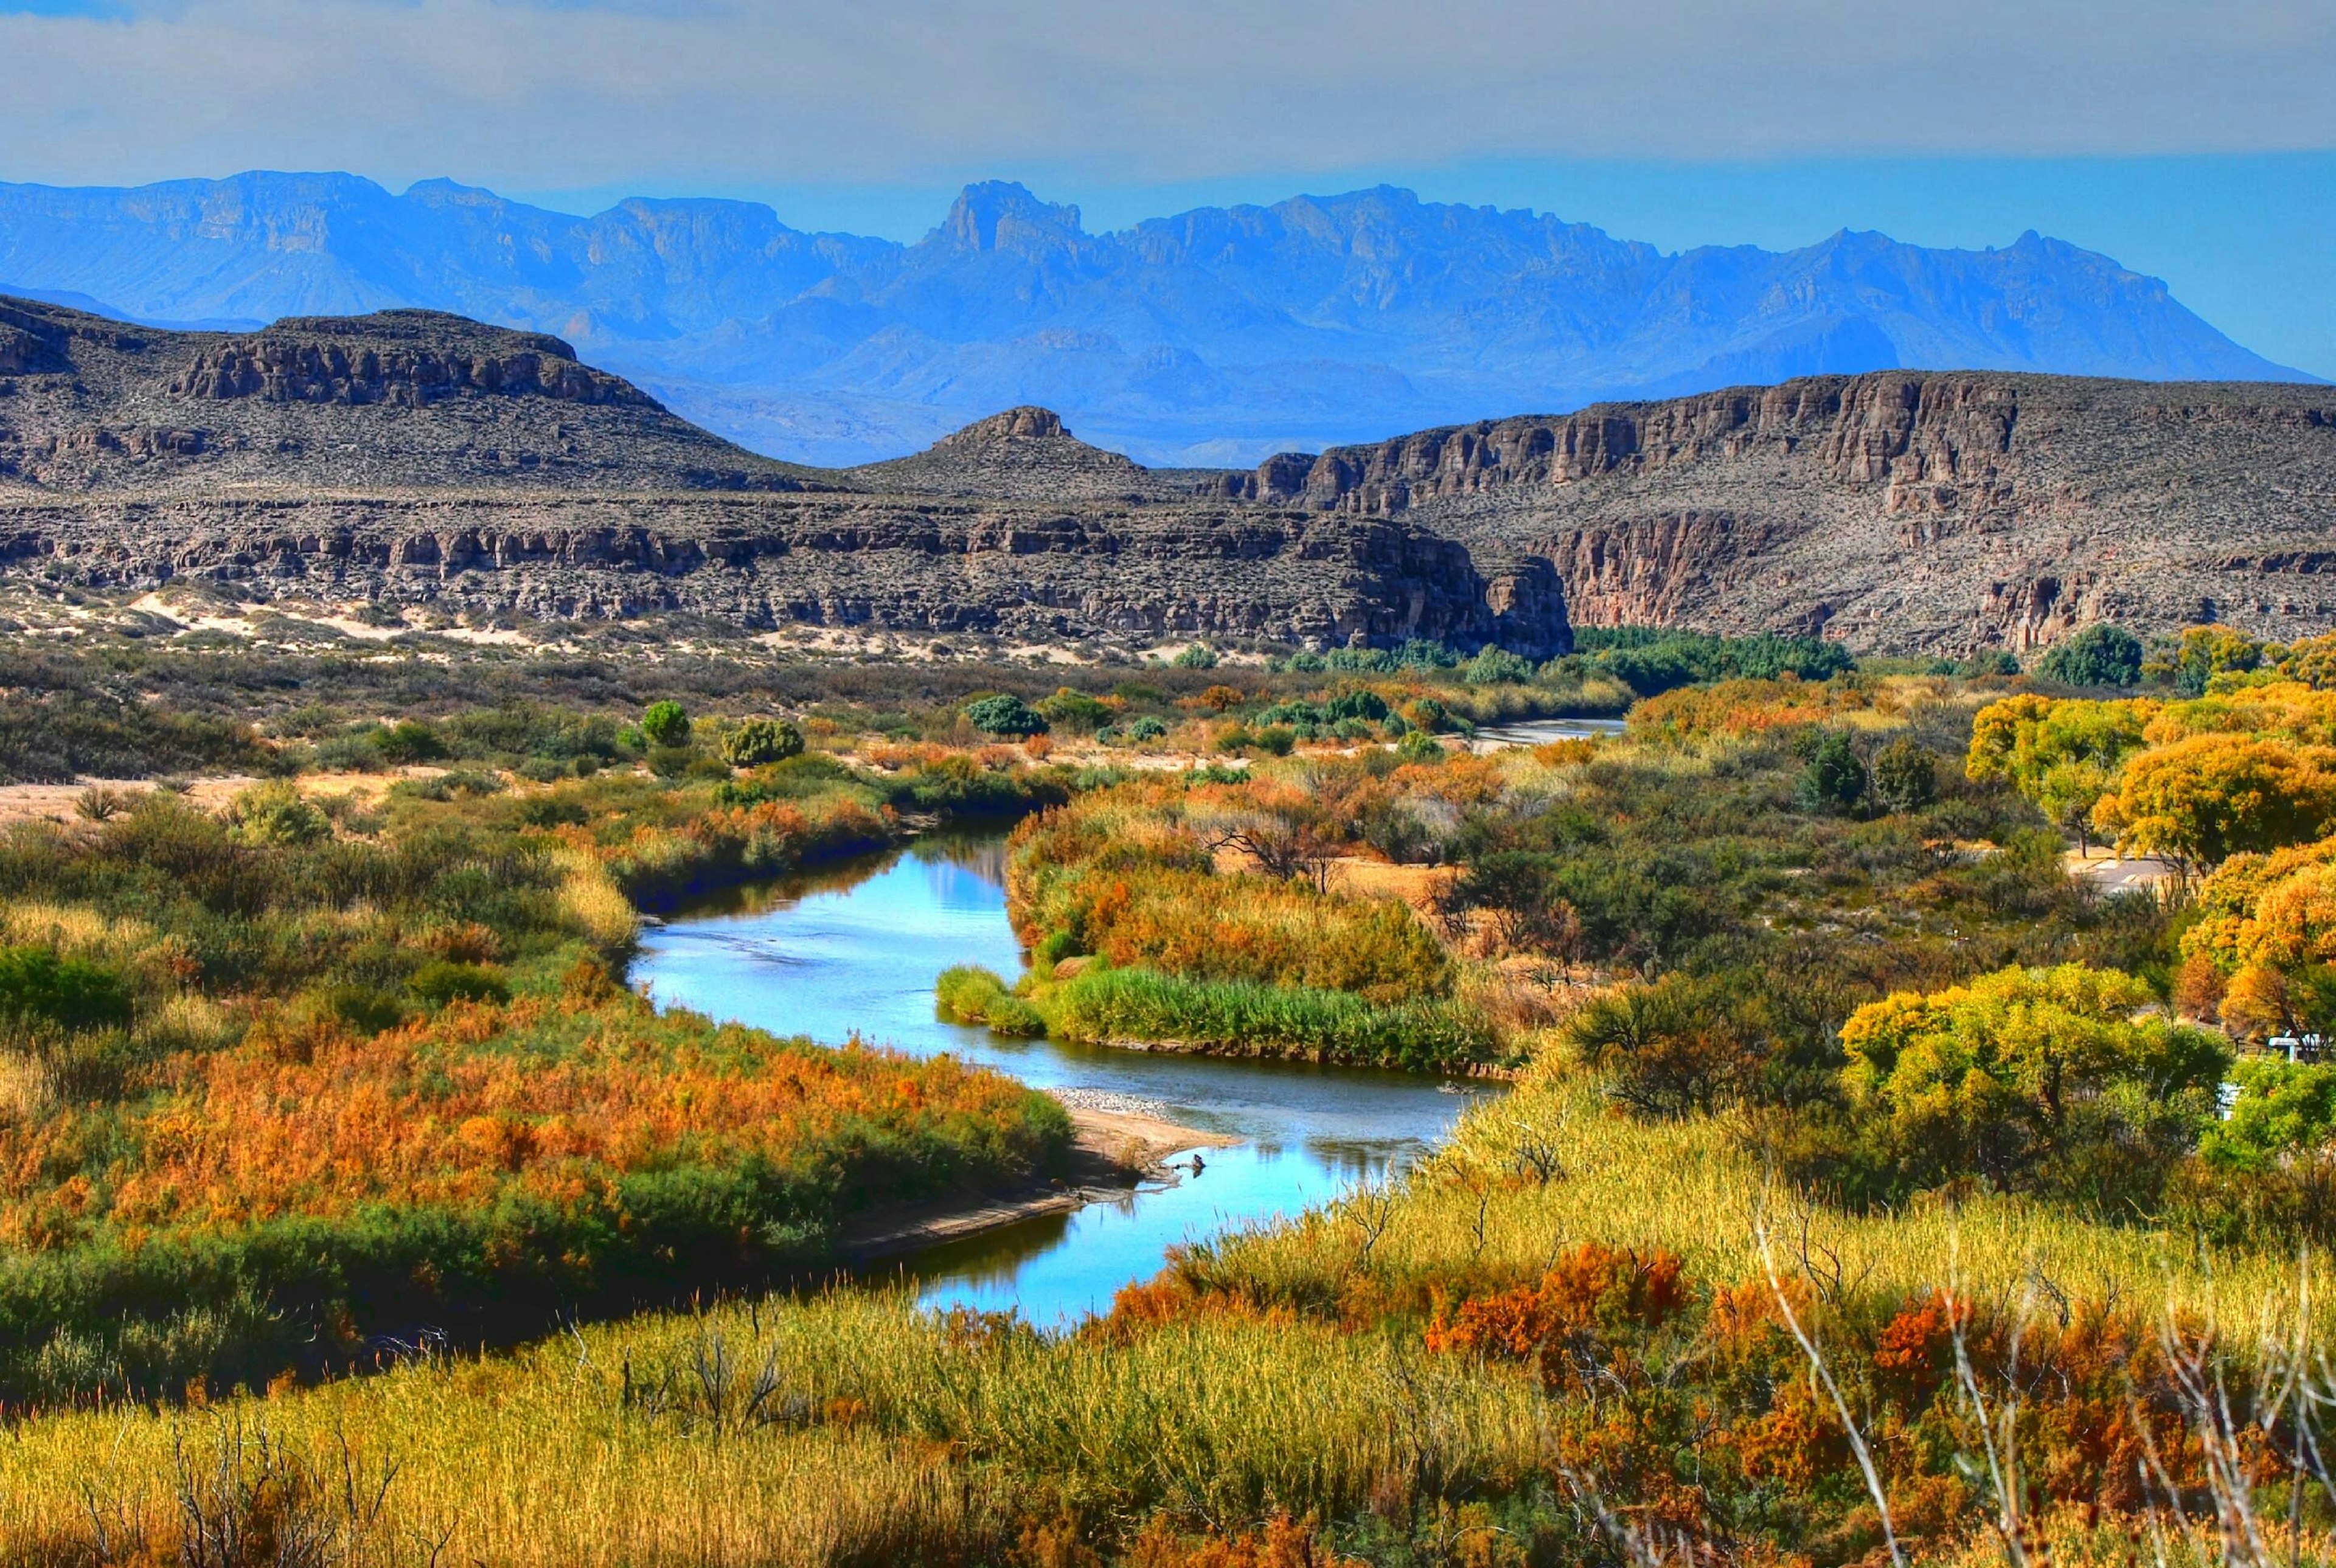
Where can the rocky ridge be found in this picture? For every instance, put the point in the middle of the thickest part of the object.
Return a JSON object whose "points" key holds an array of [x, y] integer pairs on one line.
{"points": [[410, 458], [1903, 511], [416, 459]]}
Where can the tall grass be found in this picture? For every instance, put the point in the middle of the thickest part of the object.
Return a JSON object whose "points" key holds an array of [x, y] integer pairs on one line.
{"points": [[1285, 1373], [1560, 1165], [842, 1429], [1226, 1017]]}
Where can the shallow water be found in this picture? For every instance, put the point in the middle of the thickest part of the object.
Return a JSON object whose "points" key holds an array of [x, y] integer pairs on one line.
{"points": [[1541, 731], [857, 950]]}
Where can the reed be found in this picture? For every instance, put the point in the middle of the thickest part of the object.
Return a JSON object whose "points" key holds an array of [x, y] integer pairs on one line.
{"points": [[1232, 1019]]}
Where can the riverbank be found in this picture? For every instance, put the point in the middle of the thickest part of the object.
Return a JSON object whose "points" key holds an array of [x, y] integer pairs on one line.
{"points": [[1116, 1149]]}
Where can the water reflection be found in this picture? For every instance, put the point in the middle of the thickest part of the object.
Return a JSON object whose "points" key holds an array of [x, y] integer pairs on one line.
{"points": [[856, 950]]}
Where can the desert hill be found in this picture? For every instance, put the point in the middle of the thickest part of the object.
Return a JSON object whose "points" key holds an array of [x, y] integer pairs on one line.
{"points": [[417, 458], [414, 458]]}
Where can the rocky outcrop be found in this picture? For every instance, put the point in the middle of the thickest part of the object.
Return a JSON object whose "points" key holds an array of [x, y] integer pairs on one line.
{"points": [[409, 458], [282, 368], [1902, 511], [768, 562], [417, 457]]}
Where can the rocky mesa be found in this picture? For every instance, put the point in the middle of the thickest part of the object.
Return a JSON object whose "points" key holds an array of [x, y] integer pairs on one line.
{"points": [[417, 458], [412, 457], [1903, 512]]}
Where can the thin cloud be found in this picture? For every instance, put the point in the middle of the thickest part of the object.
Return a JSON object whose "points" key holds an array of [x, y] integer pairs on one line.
{"points": [[586, 91]]}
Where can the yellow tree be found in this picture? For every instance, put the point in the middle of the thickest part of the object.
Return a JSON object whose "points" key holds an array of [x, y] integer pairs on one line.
{"points": [[2283, 710], [2203, 799], [2265, 922], [2062, 754], [2311, 661], [1989, 1077]]}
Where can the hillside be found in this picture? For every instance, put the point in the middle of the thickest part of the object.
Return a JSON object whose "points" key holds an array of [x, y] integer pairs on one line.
{"points": [[416, 459], [1896, 512], [1217, 334], [408, 459]]}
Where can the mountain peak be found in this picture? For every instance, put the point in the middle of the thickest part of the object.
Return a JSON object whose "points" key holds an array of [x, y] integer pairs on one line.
{"points": [[1027, 423], [1003, 215]]}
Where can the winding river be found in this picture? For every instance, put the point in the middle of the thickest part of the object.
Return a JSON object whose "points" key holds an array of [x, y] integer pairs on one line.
{"points": [[856, 950]]}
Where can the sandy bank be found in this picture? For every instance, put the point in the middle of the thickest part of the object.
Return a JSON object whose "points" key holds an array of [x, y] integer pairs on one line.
{"points": [[1116, 1147]]}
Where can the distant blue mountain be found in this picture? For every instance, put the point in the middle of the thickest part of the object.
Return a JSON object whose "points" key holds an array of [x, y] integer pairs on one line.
{"points": [[1213, 337]]}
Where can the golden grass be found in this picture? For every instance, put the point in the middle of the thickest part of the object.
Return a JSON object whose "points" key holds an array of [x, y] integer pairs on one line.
{"points": [[72, 930], [604, 1448], [886, 1434], [1689, 1188]]}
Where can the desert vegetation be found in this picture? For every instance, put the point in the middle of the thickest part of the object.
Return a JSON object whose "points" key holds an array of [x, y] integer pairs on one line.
{"points": [[1870, 1188]]}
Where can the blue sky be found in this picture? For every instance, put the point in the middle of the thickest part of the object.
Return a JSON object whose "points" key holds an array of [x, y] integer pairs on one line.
{"points": [[2197, 143]]}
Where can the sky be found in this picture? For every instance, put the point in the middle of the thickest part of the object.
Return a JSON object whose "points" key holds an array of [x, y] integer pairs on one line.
{"points": [[2194, 142]]}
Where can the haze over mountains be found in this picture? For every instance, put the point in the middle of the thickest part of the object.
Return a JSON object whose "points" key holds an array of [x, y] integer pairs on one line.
{"points": [[1217, 336]]}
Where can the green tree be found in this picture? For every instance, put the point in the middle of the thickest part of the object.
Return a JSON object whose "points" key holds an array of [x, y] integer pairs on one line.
{"points": [[1494, 667], [2024, 1067], [1835, 778], [2207, 651], [757, 741], [667, 724], [1005, 714], [1906, 775], [2100, 655]]}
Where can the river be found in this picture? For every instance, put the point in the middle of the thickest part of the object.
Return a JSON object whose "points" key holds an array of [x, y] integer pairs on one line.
{"points": [[856, 949]]}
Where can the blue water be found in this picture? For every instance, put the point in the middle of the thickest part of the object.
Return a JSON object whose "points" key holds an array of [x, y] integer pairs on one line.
{"points": [[857, 952]]}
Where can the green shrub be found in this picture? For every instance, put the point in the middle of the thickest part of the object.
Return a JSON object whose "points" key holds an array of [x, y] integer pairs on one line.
{"points": [[1418, 746], [1146, 728], [1834, 779], [673, 761], [406, 742], [966, 992], [1005, 714], [1074, 710], [758, 742], [362, 1008], [1010, 1015], [1276, 740], [441, 980], [666, 723], [1196, 656], [273, 813], [2100, 655], [36, 985], [1906, 775]]}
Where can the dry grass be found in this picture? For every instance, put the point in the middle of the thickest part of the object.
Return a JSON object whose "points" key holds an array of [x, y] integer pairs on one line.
{"points": [[1690, 1188]]}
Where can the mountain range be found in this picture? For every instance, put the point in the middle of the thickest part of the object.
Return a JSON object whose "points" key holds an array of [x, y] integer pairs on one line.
{"points": [[1216, 336]]}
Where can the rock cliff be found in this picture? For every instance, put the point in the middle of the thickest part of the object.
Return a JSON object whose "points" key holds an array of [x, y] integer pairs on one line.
{"points": [[413, 457], [410, 458], [1900, 510]]}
